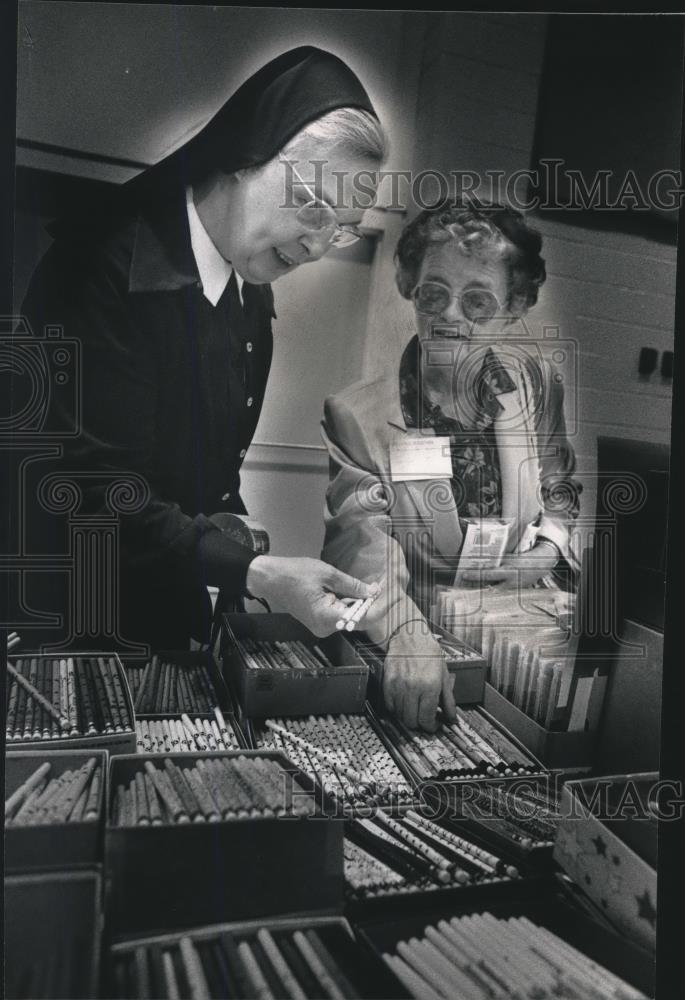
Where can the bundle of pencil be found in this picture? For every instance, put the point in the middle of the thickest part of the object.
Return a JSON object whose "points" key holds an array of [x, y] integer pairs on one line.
{"points": [[290, 655], [167, 688], [73, 797], [481, 956], [343, 753], [471, 746], [50, 699], [417, 853], [185, 735], [134, 676], [208, 790], [523, 676], [317, 959], [527, 817]]}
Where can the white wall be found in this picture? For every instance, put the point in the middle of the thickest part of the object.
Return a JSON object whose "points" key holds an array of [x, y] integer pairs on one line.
{"points": [[612, 294]]}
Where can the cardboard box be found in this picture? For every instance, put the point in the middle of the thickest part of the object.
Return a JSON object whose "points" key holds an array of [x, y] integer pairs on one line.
{"points": [[53, 927], [534, 767], [574, 750], [610, 852], [478, 809], [171, 876], [339, 803], [264, 692], [367, 974], [48, 846], [544, 903], [421, 893], [115, 743]]}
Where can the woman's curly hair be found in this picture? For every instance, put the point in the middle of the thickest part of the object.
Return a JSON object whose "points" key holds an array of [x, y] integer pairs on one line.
{"points": [[479, 229]]}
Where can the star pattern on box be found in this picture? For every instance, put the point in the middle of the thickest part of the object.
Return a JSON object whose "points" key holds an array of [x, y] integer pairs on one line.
{"points": [[615, 884], [568, 847], [600, 845], [645, 908]]}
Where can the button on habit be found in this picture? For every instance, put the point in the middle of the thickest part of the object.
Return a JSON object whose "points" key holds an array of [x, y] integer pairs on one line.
{"points": [[226, 496], [250, 400], [243, 452], [248, 345]]}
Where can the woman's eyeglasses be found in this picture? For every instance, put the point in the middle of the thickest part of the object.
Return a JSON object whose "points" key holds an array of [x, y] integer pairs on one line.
{"points": [[477, 304], [319, 217]]}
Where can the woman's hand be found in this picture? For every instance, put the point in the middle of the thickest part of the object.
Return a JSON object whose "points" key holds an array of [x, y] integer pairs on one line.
{"points": [[308, 589], [416, 680], [519, 569]]}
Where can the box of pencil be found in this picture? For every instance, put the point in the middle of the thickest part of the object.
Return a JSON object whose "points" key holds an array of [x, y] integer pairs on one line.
{"points": [[466, 665], [474, 746], [345, 755], [535, 944], [312, 956], [189, 735], [54, 809], [73, 703], [519, 816], [571, 749], [417, 860], [218, 836], [276, 666], [173, 683], [607, 843], [53, 930]]}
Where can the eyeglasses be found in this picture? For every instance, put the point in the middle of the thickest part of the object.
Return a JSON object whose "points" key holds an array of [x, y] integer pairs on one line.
{"points": [[319, 217], [477, 304]]}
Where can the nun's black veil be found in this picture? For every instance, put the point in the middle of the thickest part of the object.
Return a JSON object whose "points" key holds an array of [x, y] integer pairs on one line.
{"points": [[249, 129]]}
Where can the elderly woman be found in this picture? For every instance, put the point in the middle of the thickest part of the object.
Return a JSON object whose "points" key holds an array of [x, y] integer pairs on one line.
{"points": [[399, 502], [166, 283]]}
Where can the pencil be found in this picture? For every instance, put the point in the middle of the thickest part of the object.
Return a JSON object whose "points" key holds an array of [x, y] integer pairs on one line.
{"points": [[93, 799], [24, 789], [167, 794], [309, 953], [171, 983], [31, 692]]}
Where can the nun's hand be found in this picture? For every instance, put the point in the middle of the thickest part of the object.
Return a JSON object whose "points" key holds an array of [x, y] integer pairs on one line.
{"points": [[518, 570], [416, 681], [310, 590]]}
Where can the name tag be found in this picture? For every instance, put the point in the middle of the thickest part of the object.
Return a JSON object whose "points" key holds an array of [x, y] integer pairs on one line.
{"points": [[420, 458]]}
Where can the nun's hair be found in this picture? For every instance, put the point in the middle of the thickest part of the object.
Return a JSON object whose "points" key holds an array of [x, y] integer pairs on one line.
{"points": [[356, 130]]}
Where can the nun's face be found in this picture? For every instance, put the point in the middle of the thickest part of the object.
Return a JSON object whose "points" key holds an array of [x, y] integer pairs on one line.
{"points": [[252, 217]]}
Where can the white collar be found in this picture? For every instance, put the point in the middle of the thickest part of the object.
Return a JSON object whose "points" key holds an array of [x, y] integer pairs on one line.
{"points": [[214, 270]]}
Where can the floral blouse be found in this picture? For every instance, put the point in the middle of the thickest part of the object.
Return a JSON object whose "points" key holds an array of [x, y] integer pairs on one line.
{"points": [[476, 481]]}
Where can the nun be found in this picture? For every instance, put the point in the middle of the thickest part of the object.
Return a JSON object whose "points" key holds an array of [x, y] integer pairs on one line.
{"points": [[166, 284]]}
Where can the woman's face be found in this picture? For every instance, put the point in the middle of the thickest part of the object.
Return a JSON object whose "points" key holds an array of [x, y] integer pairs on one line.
{"points": [[454, 344], [482, 276], [252, 217]]}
